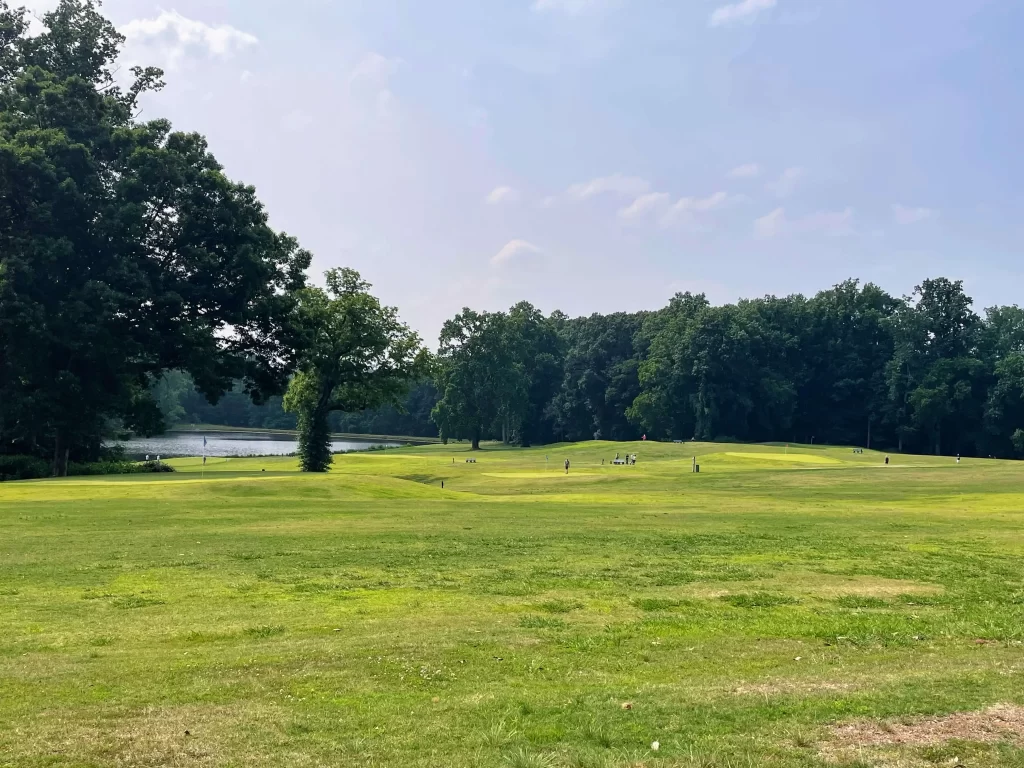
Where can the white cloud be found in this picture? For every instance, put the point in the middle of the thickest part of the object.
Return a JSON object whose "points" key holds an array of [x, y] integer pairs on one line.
{"points": [[502, 195], [685, 210], [246, 76], [297, 121], [910, 215], [744, 11], [513, 249], [628, 186], [36, 9], [644, 204], [171, 37], [786, 183], [748, 171], [374, 70], [570, 7], [833, 223], [701, 204]]}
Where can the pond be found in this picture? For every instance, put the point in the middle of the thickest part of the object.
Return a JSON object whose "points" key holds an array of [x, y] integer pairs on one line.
{"points": [[231, 444]]}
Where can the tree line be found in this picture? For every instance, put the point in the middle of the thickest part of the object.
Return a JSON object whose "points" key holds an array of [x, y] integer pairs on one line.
{"points": [[140, 286], [851, 365]]}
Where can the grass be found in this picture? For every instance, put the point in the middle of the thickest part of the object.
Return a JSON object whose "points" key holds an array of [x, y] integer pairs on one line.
{"points": [[245, 615]]}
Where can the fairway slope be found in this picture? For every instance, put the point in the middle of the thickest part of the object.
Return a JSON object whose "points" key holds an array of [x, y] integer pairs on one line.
{"points": [[799, 606]]}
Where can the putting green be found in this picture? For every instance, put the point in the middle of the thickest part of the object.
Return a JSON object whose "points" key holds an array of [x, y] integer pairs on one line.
{"points": [[800, 458], [537, 475]]}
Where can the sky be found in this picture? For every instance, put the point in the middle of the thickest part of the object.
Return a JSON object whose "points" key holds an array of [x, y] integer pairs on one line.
{"points": [[602, 155]]}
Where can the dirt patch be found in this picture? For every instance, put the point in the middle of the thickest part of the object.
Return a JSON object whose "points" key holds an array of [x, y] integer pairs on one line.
{"points": [[1002, 723]]}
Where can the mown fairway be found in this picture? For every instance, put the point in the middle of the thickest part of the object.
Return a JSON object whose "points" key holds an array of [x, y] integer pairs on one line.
{"points": [[518, 617]]}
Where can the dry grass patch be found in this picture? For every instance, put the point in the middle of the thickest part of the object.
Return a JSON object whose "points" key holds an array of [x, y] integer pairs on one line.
{"points": [[897, 742], [168, 737]]}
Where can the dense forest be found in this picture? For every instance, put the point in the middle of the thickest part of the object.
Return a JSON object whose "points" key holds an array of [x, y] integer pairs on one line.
{"points": [[851, 365], [140, 287]]}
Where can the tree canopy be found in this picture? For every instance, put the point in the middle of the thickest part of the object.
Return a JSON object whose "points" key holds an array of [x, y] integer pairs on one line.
{"points": [[125, 251], [850, 365], [354, 355]]}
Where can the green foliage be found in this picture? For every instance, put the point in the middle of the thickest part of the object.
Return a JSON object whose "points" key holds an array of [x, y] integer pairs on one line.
{"points": [[33, 468], [851, 366], [354, 354], [23, 468], [125, 251]]}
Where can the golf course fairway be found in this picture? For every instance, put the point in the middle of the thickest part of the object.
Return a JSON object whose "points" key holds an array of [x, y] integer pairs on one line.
{"points": [[829, 611]]}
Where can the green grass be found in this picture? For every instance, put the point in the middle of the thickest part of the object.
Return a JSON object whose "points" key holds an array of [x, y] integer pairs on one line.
{"points": [[518, 617]]}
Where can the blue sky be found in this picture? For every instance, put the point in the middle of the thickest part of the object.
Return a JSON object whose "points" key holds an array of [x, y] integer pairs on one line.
{"points": [[600, 155]]}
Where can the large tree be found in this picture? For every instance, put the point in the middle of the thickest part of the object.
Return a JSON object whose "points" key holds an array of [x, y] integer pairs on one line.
{"points": [[476, 376], [354, 354], [125, 251]]}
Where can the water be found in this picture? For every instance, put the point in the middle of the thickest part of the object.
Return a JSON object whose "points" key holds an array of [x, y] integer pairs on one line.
{"points": [[230, 444]]}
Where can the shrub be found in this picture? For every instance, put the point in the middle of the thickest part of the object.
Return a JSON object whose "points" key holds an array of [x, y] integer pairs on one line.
{"points": [[33, 468], [23, 468], [118, 468]]}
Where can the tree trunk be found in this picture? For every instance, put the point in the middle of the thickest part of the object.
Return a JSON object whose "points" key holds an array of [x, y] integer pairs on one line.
{"points": [[869, 433], [60, 455], [315, 440], [476, 439]]}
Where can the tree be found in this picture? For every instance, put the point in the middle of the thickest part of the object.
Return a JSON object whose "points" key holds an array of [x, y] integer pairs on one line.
{"points": [[845, 347], [353, 354], [934, 379], [475, 376], [124, 249]]}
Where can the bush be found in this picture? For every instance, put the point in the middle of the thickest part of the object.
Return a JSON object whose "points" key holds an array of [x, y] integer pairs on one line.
{"points": [[117, 468], [23, 468], [33, 468]]}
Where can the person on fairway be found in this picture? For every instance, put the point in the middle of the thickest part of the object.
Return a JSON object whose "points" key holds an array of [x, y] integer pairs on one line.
{"points": [[567, 466]]}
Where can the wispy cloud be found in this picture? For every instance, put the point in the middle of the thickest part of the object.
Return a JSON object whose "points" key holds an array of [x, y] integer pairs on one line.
{"points": [[170, 37], [629, 186], [748, 171], [513, 249], [685, 210], [374, 69], [701, 204], [370, 83], [786, 183], [910, 215], [502, 195], [644, 204], [832, 223], [569, 7], [742, 12]]}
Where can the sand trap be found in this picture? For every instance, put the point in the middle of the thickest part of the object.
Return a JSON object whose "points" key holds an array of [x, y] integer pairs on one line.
{"points": [[796, 458]]}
